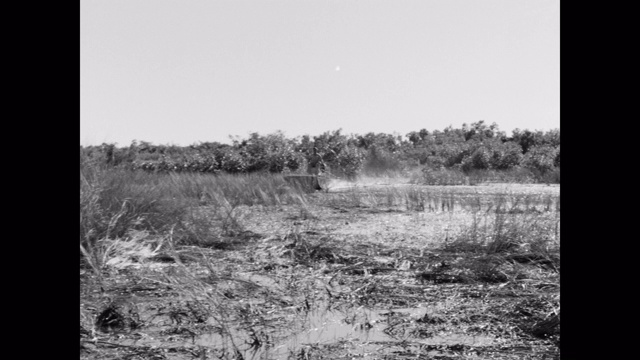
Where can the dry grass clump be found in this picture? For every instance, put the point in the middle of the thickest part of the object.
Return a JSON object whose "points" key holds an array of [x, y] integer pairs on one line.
{"points": [[456, 176], [502, 243], [251, 189], [391, 198], [115, 201]]}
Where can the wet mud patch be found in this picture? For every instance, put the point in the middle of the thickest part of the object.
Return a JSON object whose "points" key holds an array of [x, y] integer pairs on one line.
{"points": [[383, 305]]}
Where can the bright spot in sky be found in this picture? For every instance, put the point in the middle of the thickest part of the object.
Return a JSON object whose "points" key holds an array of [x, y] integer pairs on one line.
{"points": [[337, 68]]}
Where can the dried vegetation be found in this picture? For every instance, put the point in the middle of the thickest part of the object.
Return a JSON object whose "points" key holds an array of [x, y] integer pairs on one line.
{"points": [[241, 267]]}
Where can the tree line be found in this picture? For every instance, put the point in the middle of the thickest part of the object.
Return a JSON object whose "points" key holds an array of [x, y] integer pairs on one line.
{"points": [[473, 147]]}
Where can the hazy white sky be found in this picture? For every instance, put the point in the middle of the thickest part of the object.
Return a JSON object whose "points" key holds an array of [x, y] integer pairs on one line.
{"points": [[184, 71]]}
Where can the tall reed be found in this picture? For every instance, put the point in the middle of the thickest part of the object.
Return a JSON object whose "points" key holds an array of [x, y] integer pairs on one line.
{"points": [[115, 201]]}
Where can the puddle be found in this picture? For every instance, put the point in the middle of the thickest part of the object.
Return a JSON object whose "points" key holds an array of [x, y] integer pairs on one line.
{"points": [[359, 332], [318, 327], [277, 334], [363, 331], [330, 326]]}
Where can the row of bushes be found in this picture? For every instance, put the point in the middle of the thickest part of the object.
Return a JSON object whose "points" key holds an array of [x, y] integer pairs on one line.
{"points": [[469, 149]]}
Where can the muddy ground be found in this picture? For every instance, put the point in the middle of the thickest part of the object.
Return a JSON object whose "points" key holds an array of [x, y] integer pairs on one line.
{"points": [[354, 273]]}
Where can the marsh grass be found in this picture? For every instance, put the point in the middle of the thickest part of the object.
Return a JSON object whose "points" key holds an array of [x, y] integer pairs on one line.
{"points": [[456, 176], [421, 199], [515, 175], [252, 189], [116, 201], [247, 298], [442, 177], [511, 231]]}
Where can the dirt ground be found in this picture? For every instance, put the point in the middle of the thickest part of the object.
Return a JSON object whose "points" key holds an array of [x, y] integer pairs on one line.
{"points": [[372, 271]]}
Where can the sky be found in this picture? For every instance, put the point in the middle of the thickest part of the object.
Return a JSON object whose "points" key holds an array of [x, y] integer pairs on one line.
{"points": [[182, 72]]}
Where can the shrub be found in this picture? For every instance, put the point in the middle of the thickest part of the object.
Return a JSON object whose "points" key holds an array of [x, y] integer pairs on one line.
{"points": [[379, 161], [506, 156], [443, 176], [348, 162], [233, 162], [479, 160], [540, 160]]}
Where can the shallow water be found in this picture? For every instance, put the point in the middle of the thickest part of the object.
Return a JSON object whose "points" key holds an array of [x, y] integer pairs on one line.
{"points": [[361, 330]]}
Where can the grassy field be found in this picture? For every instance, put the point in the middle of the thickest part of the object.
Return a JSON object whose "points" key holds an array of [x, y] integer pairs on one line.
{"points": [[184, 266]]}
